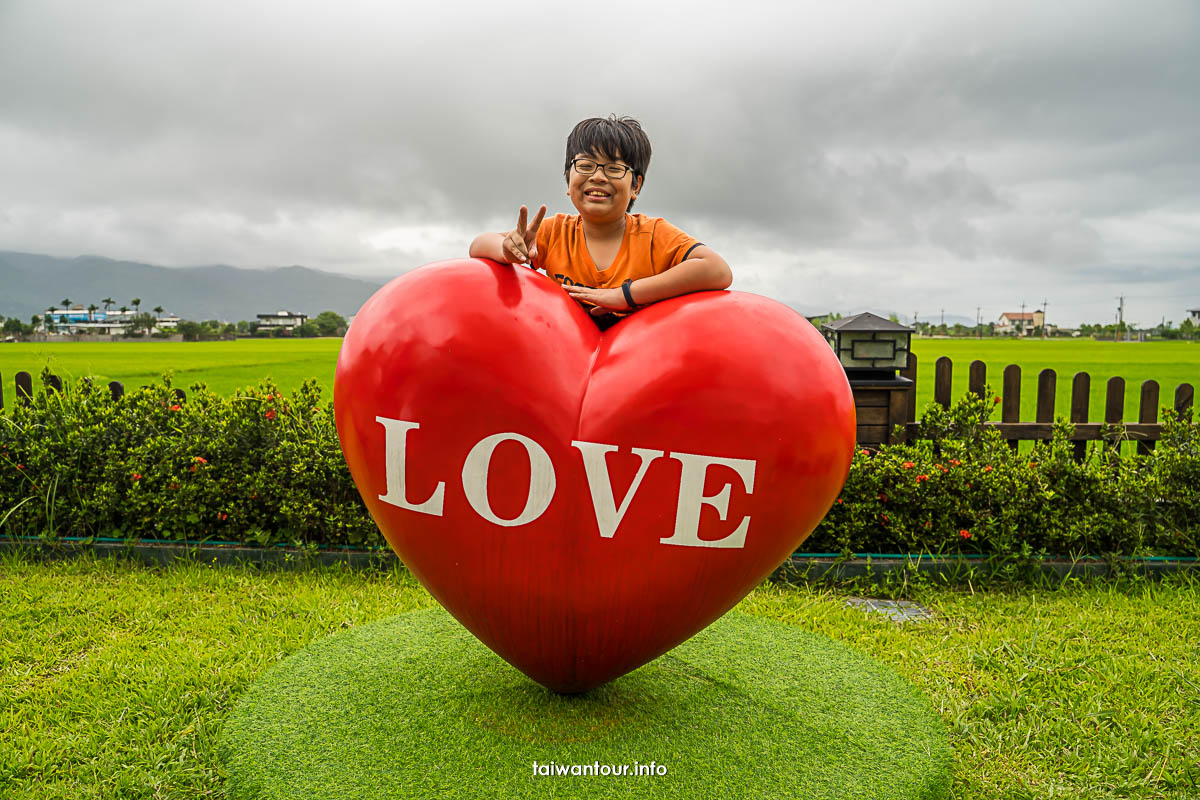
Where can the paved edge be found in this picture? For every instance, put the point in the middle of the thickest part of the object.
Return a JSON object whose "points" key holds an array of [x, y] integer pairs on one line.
{"points": [[798, 569]]}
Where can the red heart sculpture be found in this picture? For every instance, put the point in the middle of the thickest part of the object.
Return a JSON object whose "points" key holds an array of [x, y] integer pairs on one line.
{"points": [[583, 501]]}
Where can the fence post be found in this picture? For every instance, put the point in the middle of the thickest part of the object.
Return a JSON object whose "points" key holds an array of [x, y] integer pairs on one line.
{"points": [[910, 372], [1114, 407], [116, 389], [1183, 398], [1047, 388], [54, 384], [1148, 413], [24, 386], [1010, 410], [977, 377], [1, 390], [943, 373], [1081, 397]]}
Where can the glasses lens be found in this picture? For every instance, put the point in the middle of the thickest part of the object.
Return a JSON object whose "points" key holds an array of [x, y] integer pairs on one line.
{"points": [[615, 170], [585, 167]]}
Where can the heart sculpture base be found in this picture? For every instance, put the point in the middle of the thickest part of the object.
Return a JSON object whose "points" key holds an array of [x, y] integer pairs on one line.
{"points": [[413, 706], [585, 501]]}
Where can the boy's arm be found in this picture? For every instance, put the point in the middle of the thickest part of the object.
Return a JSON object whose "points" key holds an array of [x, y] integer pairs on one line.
{"points": [[704, 269], [518, 246]]}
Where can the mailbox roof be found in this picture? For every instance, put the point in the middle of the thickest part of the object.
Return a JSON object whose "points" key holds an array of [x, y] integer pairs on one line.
{"points": [[865, 321]]}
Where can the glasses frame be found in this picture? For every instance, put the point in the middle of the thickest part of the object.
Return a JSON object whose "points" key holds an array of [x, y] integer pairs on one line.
{"points": [[602, 167]]}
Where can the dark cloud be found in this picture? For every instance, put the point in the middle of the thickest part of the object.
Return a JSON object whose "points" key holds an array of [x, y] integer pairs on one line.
{"points": [[863, 155]]}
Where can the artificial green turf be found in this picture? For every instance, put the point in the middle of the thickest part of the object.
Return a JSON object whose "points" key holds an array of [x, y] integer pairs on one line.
{"points": [[413, 707]]}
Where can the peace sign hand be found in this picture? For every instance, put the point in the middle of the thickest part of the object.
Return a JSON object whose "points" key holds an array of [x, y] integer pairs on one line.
{"points": [[520, 244]]}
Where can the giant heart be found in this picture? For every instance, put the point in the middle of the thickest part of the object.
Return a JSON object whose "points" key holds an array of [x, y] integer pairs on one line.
{"points": [[583, 501]]}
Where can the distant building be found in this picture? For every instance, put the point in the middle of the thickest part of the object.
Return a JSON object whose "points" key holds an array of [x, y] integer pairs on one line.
{"points": [[282, 320], [77, 319], [1016, 322], [1194, 315]]}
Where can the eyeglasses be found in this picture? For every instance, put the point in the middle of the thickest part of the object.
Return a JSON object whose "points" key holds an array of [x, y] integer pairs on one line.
{"points": [[586, 166]]}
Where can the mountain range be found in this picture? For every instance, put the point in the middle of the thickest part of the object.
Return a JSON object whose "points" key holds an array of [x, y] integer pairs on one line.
{"points": [[30, 283]]}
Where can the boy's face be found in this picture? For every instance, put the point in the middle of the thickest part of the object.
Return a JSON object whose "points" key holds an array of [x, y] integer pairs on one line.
{"points": [[600, 197]]}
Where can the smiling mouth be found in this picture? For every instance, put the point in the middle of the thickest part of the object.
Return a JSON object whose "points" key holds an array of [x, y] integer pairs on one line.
{"points": [[595, 194]]}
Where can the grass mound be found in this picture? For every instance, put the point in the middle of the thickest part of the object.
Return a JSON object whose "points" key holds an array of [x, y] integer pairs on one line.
{"points": [[414, 706]]}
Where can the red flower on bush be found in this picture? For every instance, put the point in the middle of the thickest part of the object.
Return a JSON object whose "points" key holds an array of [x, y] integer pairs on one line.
{"points": [[954, 462], [200, 460], [221, 515], [884, 518], [908, 465], [839, 501], [996, 400], [964, 533], [988, 468], [20, 466], [137, 476], [881, 496], [922, 478], [173, 485], [176, 407], [864, 452], [270, 413]]}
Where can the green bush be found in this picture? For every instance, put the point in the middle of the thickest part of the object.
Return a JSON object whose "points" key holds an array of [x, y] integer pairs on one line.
{"points": [[960, 489], [263, 469], [255, 467]]}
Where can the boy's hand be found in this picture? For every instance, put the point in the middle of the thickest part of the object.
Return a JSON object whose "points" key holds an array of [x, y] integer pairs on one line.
{"points": [[605, 300], [520, 244]]}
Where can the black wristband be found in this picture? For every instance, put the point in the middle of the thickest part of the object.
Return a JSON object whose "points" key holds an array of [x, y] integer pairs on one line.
{"points": [[628, 294]]}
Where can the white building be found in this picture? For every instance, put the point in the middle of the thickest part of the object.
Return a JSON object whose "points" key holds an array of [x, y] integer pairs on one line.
{"points": [[1019, 322], [283, 320]]}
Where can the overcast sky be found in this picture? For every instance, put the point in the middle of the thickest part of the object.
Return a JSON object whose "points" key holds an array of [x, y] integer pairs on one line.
{"points": [[849, 156]]}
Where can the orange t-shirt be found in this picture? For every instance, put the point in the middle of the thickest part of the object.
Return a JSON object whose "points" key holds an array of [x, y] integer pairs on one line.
{"points": [[651, 245]]}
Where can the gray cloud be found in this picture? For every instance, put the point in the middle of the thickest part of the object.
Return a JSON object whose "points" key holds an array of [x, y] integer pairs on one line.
{"points": [[864, 156]]}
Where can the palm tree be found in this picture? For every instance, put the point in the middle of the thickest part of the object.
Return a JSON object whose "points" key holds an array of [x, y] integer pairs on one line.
{"points": [[50, 319], [136, 303], [91, 312], [123, 309], [108, 301], [66, 303], [158, 309]]}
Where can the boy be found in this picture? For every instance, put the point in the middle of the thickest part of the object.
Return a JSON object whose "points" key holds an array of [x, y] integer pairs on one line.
{"points": [[606, 257]]}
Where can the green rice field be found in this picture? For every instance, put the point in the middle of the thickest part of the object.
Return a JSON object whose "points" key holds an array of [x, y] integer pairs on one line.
{"points": [[228, 366]]}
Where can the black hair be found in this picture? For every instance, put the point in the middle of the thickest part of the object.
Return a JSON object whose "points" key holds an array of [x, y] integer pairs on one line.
{"points": [[615, 137]]}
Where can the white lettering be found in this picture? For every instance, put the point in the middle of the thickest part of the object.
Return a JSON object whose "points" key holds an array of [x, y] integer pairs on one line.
{"points": [[541, 479], [595, 464], [395, 435], [692, 499]]}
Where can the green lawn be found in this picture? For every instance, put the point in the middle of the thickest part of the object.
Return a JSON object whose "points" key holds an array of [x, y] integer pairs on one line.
{"points": [[1169, 363], [227, 366], [224, 366], [115, 680]]}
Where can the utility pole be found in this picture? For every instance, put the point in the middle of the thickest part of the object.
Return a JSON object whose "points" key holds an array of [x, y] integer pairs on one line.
{"points": [[1022, 333], [978, 322], [1044, 304], [1121, 316]]}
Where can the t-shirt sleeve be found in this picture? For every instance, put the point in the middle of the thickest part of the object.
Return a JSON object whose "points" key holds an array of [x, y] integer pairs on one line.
{"points": [[545, 236], [669, 245]]}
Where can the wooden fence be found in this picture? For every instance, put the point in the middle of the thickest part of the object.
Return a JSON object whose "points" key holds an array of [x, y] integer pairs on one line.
{"points": [[23, 386], [1145, 431]]}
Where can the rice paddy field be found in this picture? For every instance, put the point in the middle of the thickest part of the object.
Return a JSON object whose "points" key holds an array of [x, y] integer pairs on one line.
{"points": [[228, 366]]}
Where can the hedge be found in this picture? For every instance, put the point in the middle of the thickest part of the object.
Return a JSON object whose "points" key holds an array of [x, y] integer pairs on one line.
{"points": [[264, 469]]}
